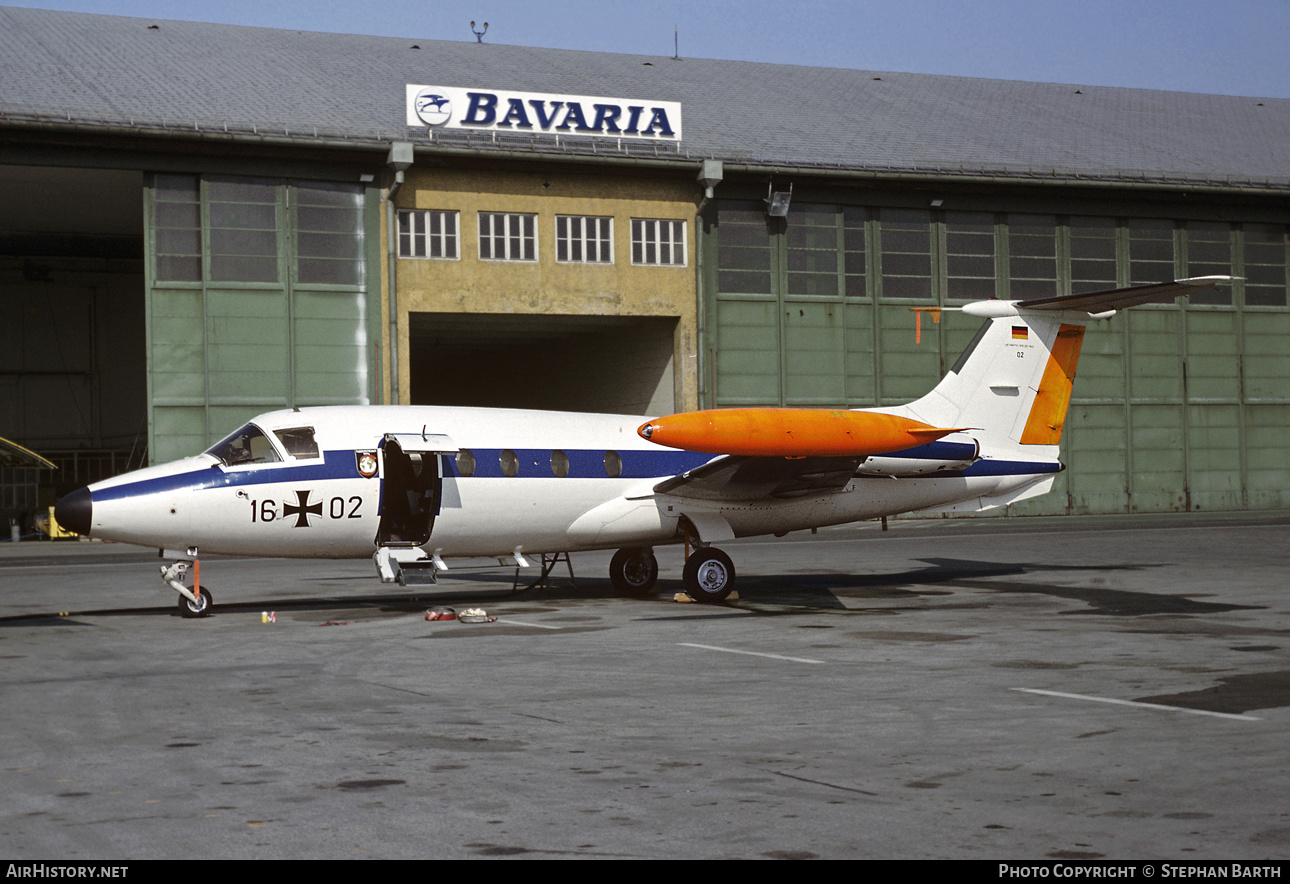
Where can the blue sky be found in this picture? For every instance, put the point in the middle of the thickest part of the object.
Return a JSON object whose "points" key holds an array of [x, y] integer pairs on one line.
{"points": [[1235, 47]]}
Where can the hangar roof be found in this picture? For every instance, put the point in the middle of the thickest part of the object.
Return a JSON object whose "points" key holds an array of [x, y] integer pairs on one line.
{"points": [[209, 80]]}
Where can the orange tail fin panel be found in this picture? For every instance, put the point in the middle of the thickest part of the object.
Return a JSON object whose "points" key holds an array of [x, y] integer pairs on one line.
{"points": [[1048, 413], [789, 432]]}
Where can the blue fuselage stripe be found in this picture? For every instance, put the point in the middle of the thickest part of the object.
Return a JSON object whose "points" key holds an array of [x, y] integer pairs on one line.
{"points": [[533, 463], [938, 451], [334, 465]]}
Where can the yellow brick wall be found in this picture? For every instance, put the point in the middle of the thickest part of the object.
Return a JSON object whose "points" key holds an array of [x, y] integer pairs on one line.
{"points": [[470, 285]]}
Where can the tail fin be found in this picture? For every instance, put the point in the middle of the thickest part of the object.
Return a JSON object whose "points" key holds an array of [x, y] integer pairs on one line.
{"points": [[1014, 381]]}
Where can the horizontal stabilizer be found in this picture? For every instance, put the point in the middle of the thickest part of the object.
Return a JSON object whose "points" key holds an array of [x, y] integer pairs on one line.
{"points": [[1119, 299]]}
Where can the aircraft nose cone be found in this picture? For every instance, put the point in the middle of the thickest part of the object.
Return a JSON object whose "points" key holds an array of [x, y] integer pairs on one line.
{"points": [[73, 511]]}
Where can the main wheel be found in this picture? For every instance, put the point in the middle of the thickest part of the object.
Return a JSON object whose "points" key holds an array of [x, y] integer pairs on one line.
{"points": [[709, 575], [189, 608], [633, 571]]}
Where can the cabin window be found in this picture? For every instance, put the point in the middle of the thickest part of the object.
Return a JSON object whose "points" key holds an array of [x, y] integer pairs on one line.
{"points": [[466, 463], [509, 462], [559, 464], [299, 442], [246, 445], [613, 464]]}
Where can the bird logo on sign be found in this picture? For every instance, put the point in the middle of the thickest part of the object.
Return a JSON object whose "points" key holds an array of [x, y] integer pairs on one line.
{"points": [[432, 108]]}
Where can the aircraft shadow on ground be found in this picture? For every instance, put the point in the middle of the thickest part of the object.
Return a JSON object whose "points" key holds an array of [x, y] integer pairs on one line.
{"points": [[804, 592], [943, 577]]}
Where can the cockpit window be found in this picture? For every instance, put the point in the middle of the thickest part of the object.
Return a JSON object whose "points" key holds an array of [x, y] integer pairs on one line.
{"points": [[247, 445], [299, 442]]}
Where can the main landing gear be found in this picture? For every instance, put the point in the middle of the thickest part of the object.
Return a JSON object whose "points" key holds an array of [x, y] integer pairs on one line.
{"points": [[195, 602], [633, 571], [709, 573]]}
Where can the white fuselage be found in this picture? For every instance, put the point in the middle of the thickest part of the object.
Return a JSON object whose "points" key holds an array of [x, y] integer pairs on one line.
{"points": [[323, 506]]}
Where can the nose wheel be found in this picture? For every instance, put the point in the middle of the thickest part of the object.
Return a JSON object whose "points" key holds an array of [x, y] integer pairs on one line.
{"points": [[195, 602], [201, 607], [709, 575]]}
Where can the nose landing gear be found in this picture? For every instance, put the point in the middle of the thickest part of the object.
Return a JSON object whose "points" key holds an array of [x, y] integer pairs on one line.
{"points": [[195, 602], [201, 607]]}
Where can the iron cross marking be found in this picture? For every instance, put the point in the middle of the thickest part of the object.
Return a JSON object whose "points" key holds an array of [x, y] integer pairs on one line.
{"points": [[302, 509]]}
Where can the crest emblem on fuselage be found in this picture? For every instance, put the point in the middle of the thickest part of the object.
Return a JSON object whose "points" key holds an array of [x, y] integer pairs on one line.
{"points": [[366, 462]]}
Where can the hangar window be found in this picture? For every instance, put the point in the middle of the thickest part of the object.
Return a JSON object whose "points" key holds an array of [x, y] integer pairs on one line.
{"points": [[243, 230], [1092, 247], [658, 241], [584, 240], [329, 233], [1151, 251], [905, 250], [1209, 253], [1032, 255], [969, 255], [812, 241], [1265, 264], [855, 250], [177, 217], [507, 237], [428, 234], [744, 252]]}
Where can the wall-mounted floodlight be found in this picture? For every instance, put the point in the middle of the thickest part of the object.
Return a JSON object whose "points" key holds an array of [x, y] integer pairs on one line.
{"points": [[936, 204], [777, 202]]}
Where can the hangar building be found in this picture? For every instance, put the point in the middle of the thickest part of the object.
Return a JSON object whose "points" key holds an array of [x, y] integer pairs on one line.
{"points": [[202, 222]]}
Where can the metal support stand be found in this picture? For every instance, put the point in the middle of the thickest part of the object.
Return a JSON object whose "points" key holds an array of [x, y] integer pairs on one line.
{"points": [[548, 564]]}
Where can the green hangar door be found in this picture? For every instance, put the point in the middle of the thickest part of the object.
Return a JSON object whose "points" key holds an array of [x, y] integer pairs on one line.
{"points": [[259, 297], [1177, 407]]}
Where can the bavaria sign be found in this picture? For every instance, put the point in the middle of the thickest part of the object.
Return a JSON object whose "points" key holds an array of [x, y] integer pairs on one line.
{"points": [[449, 107]]}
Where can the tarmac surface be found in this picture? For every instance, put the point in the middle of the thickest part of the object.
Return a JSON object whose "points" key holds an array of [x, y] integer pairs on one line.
{"points": [[1076, 688]]}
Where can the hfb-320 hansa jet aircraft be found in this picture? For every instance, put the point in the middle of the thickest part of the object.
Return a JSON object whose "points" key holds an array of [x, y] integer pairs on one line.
{"points": [[413, 485]]}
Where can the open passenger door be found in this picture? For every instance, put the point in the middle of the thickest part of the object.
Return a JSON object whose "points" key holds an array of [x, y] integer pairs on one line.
{"points": [[411, 492]]}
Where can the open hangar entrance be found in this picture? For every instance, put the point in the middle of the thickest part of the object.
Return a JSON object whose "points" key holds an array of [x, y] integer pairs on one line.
{"points": [[608, 364], [73, 382]]}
